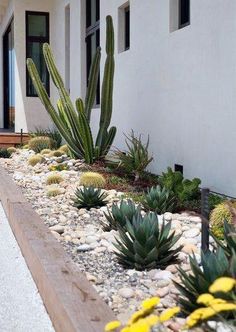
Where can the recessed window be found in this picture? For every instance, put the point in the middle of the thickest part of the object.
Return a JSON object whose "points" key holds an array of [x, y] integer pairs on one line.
{"points": [[179, 168], [179, 14], [37, 33], [92, 37], [184, 13], [124, 28]]}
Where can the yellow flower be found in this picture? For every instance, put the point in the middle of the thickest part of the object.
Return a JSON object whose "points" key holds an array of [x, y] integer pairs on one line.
{"points": [[223, 307], [169, 313], [205, 299], [218, 301], [152, 320], [195, 317], [140, 326], [138, 315], [205, 313], [151, 303], [223, 284], [112, 326], [125, 329]]}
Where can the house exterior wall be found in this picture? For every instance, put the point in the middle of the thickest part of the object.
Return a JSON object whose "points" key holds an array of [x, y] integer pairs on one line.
{"points": [[180, 88], [177, 87]]}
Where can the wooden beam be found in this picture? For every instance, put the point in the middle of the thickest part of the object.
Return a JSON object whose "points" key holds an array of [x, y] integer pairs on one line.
{"points": [[71, 301]]}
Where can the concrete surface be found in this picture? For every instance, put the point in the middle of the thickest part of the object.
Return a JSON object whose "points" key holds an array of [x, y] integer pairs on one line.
{"points": [[21, 307]]}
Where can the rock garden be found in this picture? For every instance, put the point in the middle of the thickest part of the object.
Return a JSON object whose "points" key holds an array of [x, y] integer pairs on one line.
{"points": [[134, 234]]}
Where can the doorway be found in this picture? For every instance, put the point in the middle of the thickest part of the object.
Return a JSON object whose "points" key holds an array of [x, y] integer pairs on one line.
{"points": [[9, 77]]}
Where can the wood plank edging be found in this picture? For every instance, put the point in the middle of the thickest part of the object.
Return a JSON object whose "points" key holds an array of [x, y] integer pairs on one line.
{"points": [[71, 301]]}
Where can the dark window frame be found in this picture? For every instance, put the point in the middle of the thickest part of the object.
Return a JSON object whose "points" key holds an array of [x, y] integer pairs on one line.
{"points": [[92, 29], [183, 25], [127, 28], [36, 39]]}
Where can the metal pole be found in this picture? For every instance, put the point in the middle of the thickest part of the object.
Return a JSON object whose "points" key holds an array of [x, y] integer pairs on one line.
{"points": [[205, 219], [21, 137]]}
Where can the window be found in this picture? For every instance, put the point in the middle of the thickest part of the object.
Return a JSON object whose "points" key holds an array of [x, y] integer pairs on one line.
{"points": [[92, 37], [184, 13], [124, 28], [179, 14], [37, 33]]}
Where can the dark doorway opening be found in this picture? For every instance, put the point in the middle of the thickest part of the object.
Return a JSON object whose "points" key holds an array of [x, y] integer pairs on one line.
{"points": [[9, 78]]}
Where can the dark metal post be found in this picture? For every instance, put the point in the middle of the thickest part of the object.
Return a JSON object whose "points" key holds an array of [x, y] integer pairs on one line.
{"points": [[21, 137], [205, 219]]}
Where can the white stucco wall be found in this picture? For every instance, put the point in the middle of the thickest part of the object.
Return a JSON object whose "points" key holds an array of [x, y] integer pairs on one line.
{"points": [[177, 87], [180, 87]]}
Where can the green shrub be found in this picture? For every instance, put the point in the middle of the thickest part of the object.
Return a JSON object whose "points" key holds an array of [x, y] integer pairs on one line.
{"points": [[137, 158], [90, 198], [159, 200], [34, 160], [146, 245], [119, 214], [12, 150], [92, 179], [39, 143], [53, 134], [185, 190], [215, 200], [117, 180], [53, 191], [198, 281], [54, 179], [137, 197], [4, 153]]}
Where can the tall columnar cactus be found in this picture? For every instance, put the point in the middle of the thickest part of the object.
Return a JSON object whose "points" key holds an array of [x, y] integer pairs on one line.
{"points": [[74, 122]]}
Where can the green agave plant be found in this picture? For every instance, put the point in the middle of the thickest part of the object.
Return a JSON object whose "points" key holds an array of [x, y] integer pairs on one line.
{"points": [[89, 197], [144, 244], [137, 157], [119, 214], [73, 122], [198, 281], [159, 200]]}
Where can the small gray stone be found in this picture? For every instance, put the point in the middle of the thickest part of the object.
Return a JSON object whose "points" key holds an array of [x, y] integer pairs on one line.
{"points": [[57, 228], [126, 293], [163, 275], [84, 247]]}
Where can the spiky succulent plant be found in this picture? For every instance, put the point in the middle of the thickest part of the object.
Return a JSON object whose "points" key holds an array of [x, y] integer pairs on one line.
{"points": [[159, 200], [34, 160], [53, 191], [198, 281], [92, 179], [144, 244], [89, 197], [54, 178], [4, 153], [119, 214], [12, 150], [219, 214], [39, 143]]}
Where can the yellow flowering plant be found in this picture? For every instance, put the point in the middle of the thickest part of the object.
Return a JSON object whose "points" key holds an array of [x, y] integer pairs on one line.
{"points": [[145, 319], [215, 307]]}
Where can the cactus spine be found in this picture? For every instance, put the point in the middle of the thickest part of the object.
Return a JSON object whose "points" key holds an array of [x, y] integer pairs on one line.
{"points": [[74, 122]]}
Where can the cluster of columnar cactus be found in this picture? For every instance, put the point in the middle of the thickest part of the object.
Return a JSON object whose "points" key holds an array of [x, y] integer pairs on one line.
{"points": [[74, 122]]}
